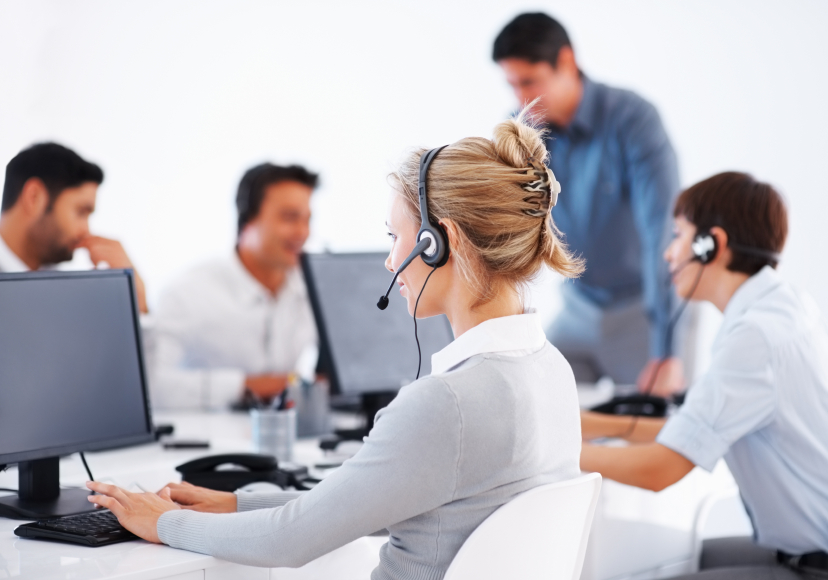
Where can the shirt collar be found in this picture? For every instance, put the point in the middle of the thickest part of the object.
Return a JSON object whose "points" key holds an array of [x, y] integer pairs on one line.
{"points": [[518, 332], [750, 291], [9, 262], [586, 115], [251, 289]]}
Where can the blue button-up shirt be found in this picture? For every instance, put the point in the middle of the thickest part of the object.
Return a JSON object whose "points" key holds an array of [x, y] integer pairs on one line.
{"points": [[619, 179], [763, 407]]}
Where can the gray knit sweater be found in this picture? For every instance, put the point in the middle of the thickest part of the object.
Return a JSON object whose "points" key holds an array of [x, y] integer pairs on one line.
{"points": [[445, 454]]}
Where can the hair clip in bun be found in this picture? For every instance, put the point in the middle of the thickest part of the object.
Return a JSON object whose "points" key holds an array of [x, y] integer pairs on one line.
{"points": [[544, 186], [554, 189]]}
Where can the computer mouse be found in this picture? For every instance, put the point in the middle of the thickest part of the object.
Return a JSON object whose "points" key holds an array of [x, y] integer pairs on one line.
{"points": [[641, 405]]}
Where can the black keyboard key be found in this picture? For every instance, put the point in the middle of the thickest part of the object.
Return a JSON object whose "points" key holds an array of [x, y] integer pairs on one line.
{"points": [[95, 529]]}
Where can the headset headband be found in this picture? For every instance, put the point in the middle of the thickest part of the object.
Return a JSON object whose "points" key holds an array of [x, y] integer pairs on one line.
{"points": [[425, 162]]}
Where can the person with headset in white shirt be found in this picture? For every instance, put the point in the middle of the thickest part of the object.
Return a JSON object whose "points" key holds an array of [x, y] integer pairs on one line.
{"points": [[230, 331], [763, 404], [499, 415]]}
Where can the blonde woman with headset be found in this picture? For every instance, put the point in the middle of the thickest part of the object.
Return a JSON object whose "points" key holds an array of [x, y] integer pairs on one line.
{"points": [[498, 415]]}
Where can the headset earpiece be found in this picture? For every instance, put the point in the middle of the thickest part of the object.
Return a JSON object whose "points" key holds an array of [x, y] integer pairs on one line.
{"points": [[704, 247], [432, 240], [437, 252]]}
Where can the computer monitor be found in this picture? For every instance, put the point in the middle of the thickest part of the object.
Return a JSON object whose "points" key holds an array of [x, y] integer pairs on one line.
{"points": [[72, 379], [367, 351]]}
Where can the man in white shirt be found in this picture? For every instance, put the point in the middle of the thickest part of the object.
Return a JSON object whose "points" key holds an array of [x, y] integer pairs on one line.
{"points": [[48, 195], [762, 406], [235, 327]]}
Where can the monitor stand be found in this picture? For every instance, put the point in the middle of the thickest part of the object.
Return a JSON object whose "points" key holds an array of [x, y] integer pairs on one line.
{"points": [[371, 403], [39, 495]]}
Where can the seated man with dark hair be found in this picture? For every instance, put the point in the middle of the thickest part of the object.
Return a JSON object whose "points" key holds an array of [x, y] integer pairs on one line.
{"points": [[235, 327], [48, 196], [762, 406]]}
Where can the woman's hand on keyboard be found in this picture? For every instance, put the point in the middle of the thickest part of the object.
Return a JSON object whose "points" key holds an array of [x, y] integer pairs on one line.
{"points": [[137, 512], [201, 499]]}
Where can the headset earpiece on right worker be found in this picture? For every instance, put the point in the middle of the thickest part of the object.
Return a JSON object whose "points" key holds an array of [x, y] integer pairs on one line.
{"points": [[705, 248], [432, 242]]}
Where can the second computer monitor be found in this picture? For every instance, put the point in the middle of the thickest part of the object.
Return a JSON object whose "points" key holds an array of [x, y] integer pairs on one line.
{"points": [[369, 350]]}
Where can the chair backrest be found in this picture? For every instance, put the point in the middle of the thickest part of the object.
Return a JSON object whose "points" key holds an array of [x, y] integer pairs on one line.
{"points": [[541, 534]]}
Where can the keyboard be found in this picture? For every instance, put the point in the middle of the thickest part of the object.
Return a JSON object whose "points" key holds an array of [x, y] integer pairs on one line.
{"points": [[94, 529]]}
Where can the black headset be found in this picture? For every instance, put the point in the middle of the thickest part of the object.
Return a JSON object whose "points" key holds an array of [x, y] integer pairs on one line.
{"points": [[705, 248], [432, 242]]}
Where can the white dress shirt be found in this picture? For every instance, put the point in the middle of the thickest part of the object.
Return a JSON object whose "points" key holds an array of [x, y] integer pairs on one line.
{"points": [[518, 335], [9, 262], [217, 324], [763, 406]]}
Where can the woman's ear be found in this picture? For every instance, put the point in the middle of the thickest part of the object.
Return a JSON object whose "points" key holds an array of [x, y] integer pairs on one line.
{"points": [[452, 233]]}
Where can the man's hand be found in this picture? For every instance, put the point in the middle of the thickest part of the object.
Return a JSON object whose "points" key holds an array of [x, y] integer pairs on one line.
{"points": [[201, 499], [137, 512], [266, 387], [113, 254], [670, 378]]}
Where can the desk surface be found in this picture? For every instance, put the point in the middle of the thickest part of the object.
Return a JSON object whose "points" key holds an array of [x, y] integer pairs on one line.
{"points": [[145, 466], [636, 533]]}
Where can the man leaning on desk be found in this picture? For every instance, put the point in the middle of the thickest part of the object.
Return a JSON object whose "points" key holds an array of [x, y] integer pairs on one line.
{"points": [[615, 162], [233, 328], [48, 196], [762, 406]]}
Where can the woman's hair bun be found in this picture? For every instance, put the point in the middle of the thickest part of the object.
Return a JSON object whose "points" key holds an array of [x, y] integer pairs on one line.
{"points": [[498, 194]]}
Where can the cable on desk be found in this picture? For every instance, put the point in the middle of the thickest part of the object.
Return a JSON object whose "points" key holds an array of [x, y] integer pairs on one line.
{"points": [[86, 465]]}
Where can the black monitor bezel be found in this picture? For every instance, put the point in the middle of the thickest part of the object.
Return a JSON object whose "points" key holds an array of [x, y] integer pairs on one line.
{"points": [[99, 445]]}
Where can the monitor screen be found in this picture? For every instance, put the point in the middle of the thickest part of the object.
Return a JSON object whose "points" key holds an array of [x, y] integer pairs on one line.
{"points": [[368, 349], [71, 369]]}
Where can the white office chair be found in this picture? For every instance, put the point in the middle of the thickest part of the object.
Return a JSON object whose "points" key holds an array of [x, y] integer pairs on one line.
{"points": [[541, 534]]}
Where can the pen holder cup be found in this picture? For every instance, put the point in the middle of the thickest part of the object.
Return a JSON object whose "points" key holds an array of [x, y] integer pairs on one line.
{"points": [[274, 432]]}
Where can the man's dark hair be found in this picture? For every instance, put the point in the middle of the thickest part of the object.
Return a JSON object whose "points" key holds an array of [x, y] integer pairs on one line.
{"points": [[751, 212], [256, 179], [534, 37], [56, 166]]}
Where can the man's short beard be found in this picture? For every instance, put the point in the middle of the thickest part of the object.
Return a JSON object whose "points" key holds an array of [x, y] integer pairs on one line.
{"points": [[46, 238]]}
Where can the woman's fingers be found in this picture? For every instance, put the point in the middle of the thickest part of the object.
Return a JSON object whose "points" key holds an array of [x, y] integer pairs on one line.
{"points": [[111, 490], [109, 503]]}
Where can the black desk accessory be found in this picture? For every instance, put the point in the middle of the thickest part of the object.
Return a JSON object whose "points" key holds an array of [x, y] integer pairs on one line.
{"points": [[231, 471]]}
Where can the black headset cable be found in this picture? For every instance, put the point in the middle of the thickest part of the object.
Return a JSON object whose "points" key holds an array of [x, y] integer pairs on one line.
{"points": [[417, 338], [668, 343]]}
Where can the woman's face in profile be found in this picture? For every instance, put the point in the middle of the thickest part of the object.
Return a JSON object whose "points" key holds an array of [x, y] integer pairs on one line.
{"points": [[403, 232]]}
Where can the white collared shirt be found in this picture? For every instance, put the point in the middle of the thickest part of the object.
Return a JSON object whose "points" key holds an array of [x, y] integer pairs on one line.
{"points": [[9, 262], [217, 324], [518, 335], [763, 406]]}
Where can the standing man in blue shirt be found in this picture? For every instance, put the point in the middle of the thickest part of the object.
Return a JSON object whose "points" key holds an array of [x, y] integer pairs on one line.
{"points": [[619, 176]]}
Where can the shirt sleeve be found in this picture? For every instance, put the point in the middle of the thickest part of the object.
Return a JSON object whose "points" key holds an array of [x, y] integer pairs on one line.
{"points": [[736, 397], [654, 185], [383, 484]]}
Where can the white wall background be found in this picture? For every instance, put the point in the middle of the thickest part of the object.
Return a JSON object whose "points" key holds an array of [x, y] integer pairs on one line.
{"points": [[176, 99]]}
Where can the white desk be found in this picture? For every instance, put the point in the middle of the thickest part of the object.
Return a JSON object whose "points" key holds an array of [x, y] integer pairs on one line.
{"points": [[636, 533], [150, 467]]}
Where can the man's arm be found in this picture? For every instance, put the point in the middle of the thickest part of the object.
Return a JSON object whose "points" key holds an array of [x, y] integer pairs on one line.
{"points": [[650, 466], [633, 429], [654, 185], [113, 253]]}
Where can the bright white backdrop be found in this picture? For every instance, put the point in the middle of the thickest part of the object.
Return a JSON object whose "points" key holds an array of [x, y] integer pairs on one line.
{"points": [[176, 99]]}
